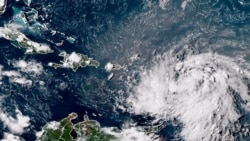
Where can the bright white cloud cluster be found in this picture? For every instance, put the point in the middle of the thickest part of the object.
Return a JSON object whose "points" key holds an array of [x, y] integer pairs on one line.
{"points": [[10, 137], [109, 66], [73, 57], [29, 67], [163, 3], [15, 125], [129, 134], [3, 4], [16, 76], [11, 73], [184, 4], [51, 125], [200, 92], [22, 81]]}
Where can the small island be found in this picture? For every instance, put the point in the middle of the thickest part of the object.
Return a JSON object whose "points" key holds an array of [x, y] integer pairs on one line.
{"points": [[74, 61]]}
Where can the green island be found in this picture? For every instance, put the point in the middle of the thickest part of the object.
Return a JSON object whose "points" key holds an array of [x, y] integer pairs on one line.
{"points": [[19, 40], [87, 130], [74, 61]]}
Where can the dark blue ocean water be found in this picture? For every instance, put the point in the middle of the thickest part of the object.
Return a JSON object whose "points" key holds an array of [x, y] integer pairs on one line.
{"points": [[87, 90], [112, 30]]}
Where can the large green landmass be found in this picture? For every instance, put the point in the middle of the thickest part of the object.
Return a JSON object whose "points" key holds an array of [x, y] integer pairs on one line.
{"points": [[74, 61], [87, 130]]}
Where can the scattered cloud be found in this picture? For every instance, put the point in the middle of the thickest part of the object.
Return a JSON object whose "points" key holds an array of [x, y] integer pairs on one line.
{"points": [[15, 125]]}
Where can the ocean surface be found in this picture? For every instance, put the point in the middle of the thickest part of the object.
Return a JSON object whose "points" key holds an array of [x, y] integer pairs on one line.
{"points": [[184, 66]]}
